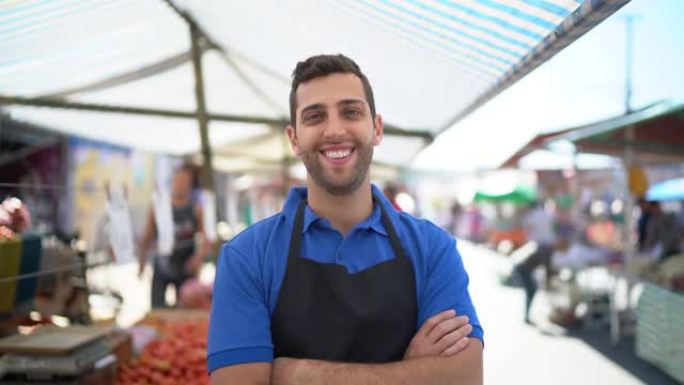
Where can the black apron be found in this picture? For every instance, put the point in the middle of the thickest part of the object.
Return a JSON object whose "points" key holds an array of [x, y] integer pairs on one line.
{"points": [[324, 312]]}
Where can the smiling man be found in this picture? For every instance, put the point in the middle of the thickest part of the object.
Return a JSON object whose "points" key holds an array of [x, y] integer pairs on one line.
{"points": [[339, 287]]}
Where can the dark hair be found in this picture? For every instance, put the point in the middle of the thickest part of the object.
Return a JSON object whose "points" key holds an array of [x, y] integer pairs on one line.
{"points": [[323, 65]]}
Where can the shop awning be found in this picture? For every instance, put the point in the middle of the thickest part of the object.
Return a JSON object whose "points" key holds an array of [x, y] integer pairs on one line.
{"points": [[658, 136], [518, 195], [430, 62], [538, 142], [669, 190]]}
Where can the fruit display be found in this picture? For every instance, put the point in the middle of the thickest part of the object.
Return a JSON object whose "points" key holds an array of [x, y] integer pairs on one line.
{"points": [[177, 357]]}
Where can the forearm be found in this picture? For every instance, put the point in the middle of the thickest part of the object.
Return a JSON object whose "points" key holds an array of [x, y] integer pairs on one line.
{"points": [[205, 245], [426, 370], [143, 248], [147, 238], [462, 368], [204, 248]]}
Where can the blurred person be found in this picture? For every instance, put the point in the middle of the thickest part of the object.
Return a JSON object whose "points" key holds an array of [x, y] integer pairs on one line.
{"points": [[455, 218], [574, 250], [340, 287], [642, 222], [15, 215], [186, 259], [539, 226], [663, 233]]}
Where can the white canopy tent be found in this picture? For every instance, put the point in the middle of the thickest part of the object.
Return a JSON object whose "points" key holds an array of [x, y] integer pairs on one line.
{"points": [[122, 71]]}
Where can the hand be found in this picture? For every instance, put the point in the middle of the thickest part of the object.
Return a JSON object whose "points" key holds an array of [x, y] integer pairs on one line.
{"points": [[291, 371], [192, 265], [141, 269], [443, 334]]}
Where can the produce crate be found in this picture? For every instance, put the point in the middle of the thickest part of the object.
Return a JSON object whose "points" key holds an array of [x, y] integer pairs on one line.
{"points": [[177, 355], [18, 256], [177, 315], [121, 345], [10, 263], [659, 335]]}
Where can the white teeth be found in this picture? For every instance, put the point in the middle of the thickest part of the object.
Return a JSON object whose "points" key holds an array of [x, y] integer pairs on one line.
{"points": [[337, 154]]}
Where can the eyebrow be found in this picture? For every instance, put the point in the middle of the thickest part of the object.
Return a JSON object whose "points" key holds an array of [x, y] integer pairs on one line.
{"points": [[316, 106], [319, 106], [347, 102]]}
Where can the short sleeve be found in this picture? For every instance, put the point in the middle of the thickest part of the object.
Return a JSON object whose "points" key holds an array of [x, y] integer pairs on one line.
{"points": [[239, 325], [446, 284]]}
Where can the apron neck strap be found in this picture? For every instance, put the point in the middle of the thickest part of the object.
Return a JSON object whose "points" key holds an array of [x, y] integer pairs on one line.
{"points": [[296, 237], [393, 237]]}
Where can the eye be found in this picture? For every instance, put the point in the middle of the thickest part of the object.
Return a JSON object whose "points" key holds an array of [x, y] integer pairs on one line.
{"points": [[313, 117], [352, 113]]}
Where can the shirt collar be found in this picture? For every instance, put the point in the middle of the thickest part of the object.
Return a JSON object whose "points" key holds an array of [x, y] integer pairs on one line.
{"points": [[373, 222]]}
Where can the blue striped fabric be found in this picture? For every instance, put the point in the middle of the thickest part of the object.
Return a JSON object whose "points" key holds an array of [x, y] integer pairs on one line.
{"points": [[586, 16], [474, 26], [507, 36], [471, 63], [486, 44], [460, 32], [549, 6], [14, 18], [517, 13], [491, 18], [475, 52]]}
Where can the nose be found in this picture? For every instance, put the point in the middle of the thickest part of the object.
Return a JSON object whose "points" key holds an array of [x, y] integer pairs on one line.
{"points": [[335, 128]]}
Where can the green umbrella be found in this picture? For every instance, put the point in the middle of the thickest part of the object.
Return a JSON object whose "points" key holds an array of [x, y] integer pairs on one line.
{"points": [[519, 195]]}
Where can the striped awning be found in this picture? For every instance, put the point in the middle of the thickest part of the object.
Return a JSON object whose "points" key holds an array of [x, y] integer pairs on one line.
{"points": [[430, 62]]}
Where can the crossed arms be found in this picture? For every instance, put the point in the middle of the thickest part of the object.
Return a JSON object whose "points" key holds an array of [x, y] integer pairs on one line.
{"points": [[440, 353]]}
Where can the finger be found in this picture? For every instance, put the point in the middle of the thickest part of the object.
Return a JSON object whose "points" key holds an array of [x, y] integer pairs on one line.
{"points": [[445, 327], [434, 321], [457, 347], [453, 337]]}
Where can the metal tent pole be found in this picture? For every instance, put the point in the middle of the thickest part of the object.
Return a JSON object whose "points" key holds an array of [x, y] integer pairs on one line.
{"points": [[202, 118]]}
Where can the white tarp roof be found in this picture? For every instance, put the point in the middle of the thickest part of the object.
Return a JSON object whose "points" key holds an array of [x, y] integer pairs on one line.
{"points": [[430, 62]]}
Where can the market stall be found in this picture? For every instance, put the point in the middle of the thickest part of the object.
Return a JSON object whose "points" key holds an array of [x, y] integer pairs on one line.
{"points": [[637, 287], [195, 88], [506, 227], [166, 347]]}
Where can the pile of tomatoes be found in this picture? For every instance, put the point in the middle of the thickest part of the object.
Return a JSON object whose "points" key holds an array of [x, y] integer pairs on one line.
{"points": [[178, 357]]}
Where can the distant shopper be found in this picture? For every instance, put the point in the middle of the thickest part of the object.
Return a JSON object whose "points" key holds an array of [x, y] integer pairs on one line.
{"points": [[539, 226], [186, 259], [662, 233]]}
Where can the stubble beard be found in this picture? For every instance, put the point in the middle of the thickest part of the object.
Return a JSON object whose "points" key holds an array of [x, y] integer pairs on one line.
{"points": [[364, 156]]}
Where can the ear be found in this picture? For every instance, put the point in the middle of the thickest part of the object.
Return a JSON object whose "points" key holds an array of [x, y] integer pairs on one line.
{"points": [[378, 129], [292, 135]]}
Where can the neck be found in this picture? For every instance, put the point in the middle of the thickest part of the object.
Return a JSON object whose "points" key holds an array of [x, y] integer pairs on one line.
{"points": [[180, 201], [343, 212]]}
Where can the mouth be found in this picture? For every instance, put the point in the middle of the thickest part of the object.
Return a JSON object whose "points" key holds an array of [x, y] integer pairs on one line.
{"points": [[338, 155]]}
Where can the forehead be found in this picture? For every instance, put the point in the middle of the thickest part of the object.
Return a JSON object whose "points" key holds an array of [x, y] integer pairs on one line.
{"points": [[329, 90], [182, 173]]}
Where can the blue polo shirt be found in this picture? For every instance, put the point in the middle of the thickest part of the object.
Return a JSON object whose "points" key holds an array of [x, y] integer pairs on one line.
{"points": [[251, 268]]}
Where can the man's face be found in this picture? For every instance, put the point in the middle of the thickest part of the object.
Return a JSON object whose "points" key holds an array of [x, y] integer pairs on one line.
{"points": [[335, 133]]}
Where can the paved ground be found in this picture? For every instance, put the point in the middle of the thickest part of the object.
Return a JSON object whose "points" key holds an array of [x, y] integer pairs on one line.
{"points": [[515, 353]]}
